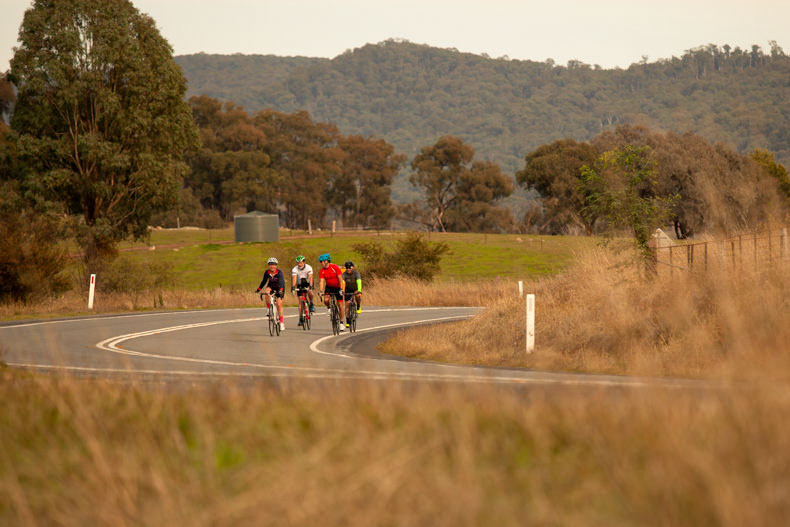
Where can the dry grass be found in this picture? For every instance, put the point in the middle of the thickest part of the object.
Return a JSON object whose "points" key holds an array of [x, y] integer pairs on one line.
{"points": [[605, 315], [394, 292], [80, 452]]}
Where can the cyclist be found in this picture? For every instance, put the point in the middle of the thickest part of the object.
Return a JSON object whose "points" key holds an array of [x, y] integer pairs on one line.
{"points": [[302, 279], [273, 280], [329, 283], [352, 285]]}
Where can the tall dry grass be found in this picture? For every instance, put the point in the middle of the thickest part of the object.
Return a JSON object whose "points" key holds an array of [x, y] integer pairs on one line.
{"points": [[84, 452], [606, 315], [391, 292]]}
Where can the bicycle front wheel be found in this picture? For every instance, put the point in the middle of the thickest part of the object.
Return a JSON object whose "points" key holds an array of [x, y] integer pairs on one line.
{"points": [[304, 314], [271, 322], [335, 320]]}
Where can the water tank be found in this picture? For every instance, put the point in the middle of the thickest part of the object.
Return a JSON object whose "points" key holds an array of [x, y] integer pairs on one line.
{"points": [[256, 226]]}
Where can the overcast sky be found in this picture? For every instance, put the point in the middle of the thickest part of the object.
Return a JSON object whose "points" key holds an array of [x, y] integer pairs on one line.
{"points": [[606, 32]]}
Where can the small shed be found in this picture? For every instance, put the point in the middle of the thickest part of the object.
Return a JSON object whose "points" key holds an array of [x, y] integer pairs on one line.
{"points": [[256, 226]]}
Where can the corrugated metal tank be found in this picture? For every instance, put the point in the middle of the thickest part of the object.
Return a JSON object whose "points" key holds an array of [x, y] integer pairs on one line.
{"points": [[256, 226]]}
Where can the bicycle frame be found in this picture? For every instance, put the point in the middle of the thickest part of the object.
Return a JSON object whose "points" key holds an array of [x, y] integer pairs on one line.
{"points": [[304, 308], [273, 315]]}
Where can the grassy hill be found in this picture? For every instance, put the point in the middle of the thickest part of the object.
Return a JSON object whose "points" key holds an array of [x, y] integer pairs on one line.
{"points": [[203, 263], [411, 94]]}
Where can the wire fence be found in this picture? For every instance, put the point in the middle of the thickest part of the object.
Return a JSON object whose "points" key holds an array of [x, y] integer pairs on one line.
{"points": [[754, 250]]}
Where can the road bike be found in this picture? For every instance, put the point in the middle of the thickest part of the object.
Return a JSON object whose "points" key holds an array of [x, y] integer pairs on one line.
{"points": [[351, 312], [304, 309], [273, 315], [334, 314]]}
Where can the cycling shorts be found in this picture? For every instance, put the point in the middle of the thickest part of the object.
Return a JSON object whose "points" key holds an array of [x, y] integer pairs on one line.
{"points": [[334, 291], [279, 293]]}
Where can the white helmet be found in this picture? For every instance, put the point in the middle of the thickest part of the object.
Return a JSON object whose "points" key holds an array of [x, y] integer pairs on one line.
{"points": [[272, 260]]}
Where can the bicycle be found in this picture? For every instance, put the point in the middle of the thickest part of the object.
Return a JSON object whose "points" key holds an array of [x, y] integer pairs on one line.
{"points": [[274, 318], [351, 313], [304, 309], [334, 314]]}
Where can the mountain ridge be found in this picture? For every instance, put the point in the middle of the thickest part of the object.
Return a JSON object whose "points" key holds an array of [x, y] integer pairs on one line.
{"points": [[411, 94]]}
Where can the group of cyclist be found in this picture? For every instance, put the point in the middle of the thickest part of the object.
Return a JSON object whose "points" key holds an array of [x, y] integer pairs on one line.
{"points": [[333, 282]]}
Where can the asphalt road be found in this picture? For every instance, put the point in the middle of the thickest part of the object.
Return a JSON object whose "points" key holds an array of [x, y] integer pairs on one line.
{"points": [[236, 342]]}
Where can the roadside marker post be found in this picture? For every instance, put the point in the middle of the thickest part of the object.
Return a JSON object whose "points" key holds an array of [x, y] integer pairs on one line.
{"points": [[91, 291], [520, 288], [530, 323]]}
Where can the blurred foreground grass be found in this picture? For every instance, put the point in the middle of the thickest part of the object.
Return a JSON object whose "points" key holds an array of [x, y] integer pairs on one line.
{"points": [[86, 452]]}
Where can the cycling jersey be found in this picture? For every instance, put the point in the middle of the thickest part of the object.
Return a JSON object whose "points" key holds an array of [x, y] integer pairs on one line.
{"points": [[276, 281], [302, 273], [331, 273], [352, 279]]}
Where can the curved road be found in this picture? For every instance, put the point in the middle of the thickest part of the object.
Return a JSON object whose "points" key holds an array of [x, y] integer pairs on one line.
{"points": [[235, 342]]}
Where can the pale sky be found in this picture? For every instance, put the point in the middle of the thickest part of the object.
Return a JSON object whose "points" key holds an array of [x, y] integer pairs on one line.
{"points": [[606, 32]]}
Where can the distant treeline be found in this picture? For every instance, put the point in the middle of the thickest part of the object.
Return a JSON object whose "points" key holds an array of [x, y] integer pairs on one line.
{"points": [[411, 94]]}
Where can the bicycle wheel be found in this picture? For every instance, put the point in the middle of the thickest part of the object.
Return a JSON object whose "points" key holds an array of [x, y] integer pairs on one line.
{"points": [[276, 321], [304, 313], [271, 321], [307, 316], [335, 315], [353, 324]]}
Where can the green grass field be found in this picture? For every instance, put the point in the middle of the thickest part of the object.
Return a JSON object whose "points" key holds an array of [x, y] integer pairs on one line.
{"points": [[203, 261]]}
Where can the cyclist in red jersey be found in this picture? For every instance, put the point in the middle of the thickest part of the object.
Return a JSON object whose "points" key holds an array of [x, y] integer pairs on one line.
{"points": [[330, 284]]}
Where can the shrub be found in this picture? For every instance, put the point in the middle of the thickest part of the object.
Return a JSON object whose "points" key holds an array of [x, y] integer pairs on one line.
{"points": [[133, 277], [413, 257], [31, 259]]}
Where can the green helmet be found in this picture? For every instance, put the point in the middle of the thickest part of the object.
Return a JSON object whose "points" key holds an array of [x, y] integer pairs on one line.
{"points": [[300, 259]]}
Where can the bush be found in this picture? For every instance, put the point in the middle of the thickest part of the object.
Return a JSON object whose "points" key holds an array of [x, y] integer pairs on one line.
{"points": [[31, 259], [413, 257], [133, 277]]}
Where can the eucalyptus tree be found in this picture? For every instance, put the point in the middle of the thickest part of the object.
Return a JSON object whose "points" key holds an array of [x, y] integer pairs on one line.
{"points": [[100, 114]]}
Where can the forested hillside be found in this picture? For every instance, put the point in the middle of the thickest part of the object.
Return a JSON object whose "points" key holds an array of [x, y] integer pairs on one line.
{"points": [[411, 94]]}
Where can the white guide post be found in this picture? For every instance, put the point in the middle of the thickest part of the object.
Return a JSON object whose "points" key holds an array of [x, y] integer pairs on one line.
{"points": [[91, 291], [530, 323], [333, 226], [520, 288]]}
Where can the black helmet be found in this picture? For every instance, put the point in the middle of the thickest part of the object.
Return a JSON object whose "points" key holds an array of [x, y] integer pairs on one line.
{"points": [[349, 264]]}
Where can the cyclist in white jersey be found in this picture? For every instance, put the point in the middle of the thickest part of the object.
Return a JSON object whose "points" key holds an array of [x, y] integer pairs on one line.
{"points": [[302, 277]]}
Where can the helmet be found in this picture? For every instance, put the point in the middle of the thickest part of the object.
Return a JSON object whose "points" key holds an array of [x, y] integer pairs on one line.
{"points": [[299, 259], [272, 260], [324, 258], [349, 264]]}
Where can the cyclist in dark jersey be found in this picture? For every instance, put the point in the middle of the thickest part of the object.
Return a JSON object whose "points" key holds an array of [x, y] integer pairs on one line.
{"points": [[273, 280], [352, 286]]}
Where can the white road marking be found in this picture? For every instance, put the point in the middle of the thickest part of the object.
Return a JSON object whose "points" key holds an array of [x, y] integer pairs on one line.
{"points": [[112, 345], [314, 345]]}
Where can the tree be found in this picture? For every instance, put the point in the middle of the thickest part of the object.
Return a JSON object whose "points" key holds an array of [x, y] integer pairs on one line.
{"points": [[306, 156], [775, 170], [621, 187], [459, 194], [477, 190], [231, 171], [361, 191], [7, 99], [554, 170], [100, 115]]}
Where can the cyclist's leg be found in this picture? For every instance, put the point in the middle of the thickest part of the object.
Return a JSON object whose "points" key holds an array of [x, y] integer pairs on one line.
{"points": [[280, 308], [340, 305], [358, 298]]}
